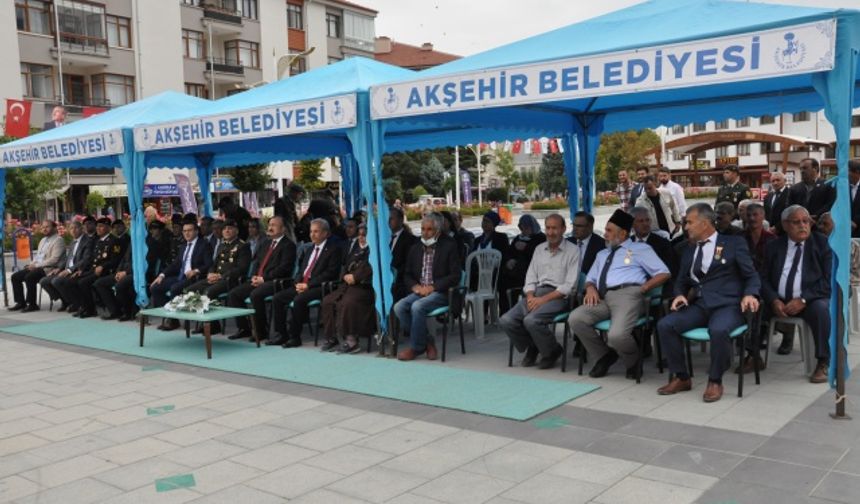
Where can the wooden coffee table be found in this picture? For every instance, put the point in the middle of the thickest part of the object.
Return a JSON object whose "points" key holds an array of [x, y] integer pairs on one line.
{"points": [[214, 314]]}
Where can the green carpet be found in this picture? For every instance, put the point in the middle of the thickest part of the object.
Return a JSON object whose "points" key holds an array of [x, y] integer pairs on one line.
{"points": [[488, 393]]}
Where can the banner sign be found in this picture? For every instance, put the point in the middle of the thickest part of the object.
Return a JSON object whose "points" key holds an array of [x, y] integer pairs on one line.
{"points": [[186, 194], [778, 52], [288, 119], [466, 187], [76, 148], [160, 190]]}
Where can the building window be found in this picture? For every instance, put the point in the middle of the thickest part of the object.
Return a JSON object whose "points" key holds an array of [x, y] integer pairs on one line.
{"points": [[295, 19], [743, 123], [677, 156], [358, 31], [249, 8], [721, 125], [190, 2], [855, 151], [332, 22], [298, 66], [82, 26], [699, 127], [744, 149], [113, 89], [193, 44], [855, 121], [198, 90], [242, 52], [800, 116], [118, 31], [765, 148], [766, 119], [37, 81], [721, 152], [33, 16], [678, 129]]}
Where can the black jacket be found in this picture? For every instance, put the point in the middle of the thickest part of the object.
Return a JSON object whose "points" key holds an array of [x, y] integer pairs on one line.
{"points": [[595, 244], [773, 207], [281, 263], [201, 259], [664, 250], [815, 268], [446, 266], [498, 241], [855, 213], [232, 261], [398, 262], [327, 266], [821, 197], [83, 256]]}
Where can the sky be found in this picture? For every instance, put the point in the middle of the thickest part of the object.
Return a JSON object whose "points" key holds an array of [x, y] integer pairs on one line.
{"points": [[466, 27]]}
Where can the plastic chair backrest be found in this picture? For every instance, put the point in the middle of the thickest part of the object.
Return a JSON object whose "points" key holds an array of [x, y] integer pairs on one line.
{"points": [[488, 261], [580, 285], [656, 292]]}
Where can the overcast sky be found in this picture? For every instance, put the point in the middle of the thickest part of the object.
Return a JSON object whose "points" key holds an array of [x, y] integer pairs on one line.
{"points": [[467, 27]]}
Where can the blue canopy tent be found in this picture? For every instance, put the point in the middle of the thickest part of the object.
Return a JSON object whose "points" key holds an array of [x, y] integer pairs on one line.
{"points": [[661, 62], [101, 141], [319, 113]]}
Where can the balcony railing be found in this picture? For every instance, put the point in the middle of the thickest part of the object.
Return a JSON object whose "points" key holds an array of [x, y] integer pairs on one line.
{"points": [[84, 44], [218, 13], [223, 65], [78, 101]]}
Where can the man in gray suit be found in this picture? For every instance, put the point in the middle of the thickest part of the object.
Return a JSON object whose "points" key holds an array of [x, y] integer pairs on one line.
{"points": [[49, 255]]}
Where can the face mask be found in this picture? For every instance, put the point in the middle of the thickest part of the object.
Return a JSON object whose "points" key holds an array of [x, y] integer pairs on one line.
{"points": [[524, 237], [428, 242]]}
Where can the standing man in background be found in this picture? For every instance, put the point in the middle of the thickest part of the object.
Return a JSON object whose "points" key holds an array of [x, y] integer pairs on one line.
{"points": [[664, 176]]}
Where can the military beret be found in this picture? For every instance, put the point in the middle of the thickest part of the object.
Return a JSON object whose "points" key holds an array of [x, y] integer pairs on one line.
{"points": [[89, 218], [230, 222], [104, 220]]}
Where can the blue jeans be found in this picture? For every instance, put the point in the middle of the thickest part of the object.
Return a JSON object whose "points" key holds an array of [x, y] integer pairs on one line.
{"points": [[412, 312]]}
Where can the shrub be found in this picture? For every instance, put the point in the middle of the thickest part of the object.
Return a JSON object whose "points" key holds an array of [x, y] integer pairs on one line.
{"points": [[554, 204]]}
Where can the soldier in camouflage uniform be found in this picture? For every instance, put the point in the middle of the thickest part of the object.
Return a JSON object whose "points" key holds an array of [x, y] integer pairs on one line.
{"points": [[106, 257], [732, 190]]}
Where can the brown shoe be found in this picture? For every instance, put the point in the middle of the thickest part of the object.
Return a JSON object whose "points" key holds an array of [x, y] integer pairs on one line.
{"points": [[675, 386], [713, 392], [748, 365], [820, 374], [432, 353], [406, 355]]}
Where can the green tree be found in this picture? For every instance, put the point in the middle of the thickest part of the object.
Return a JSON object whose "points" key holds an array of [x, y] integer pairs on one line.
{"points": [[419, 191], [392, 189], [507, 171], [310, 174], [27, 188], [551, 177], [532, 189], [622, 149], [95, 202], [250, 178], [433, 176]]}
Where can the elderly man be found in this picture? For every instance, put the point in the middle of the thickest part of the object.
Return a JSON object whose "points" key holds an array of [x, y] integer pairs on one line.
{"points": [[58, 118], [661, 206], [811, 192], [431, 269], [716, 283], [615, 289], [107, 254], [551, 278], [776, 201], [642, 234], [796, 282], [400, 244], [50, 255], [756, 235], [77, 253]]}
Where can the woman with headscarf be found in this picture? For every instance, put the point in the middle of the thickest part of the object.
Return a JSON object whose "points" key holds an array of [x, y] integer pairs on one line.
{"points": [[348, 310], [515, 262], [491, 238]]}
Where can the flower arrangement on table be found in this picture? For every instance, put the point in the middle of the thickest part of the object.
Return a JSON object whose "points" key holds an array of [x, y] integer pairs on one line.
{"points": [[190, 302]]}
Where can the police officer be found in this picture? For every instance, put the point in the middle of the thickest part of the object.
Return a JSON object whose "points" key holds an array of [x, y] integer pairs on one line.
{"points": [[103, 290], [106, 257], [733, 190]]}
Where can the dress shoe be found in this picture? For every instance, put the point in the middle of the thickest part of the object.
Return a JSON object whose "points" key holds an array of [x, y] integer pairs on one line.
{"points": [[632, 372], [30, 308], [110, 316], [432, 353], [18, 306], [292, 343], [407, 355], [548, 362], [787, 344], [713, 392], [276, 342], [169, 325], [72, 308], [747, 366], [330, 345], [601, 367], [126, 318], [243, 333], [820, 373], [676, 385], [530, 358], [86, 314]]}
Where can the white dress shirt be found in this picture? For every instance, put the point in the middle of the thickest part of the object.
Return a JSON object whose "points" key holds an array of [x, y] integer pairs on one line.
{"points": [[677, 193], [187, 253], [786, 268], [707, 258]]}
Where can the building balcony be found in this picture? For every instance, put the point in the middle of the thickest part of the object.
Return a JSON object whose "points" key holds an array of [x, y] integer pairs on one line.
{"points": [[223, 21], [225, 66]]}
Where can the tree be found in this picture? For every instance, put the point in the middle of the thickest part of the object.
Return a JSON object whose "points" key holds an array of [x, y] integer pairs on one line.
{"points": [[551, 177], [250, 178], [622, 150], [506, 169], [95, 202], [27, 188], [310, 174], [433, 176], [531, 189], [419, 191], [392, 189], [497, 194]]}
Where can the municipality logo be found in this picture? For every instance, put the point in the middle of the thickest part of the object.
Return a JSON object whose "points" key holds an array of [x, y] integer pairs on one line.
{"points": [[337, 113], [392, 102], [790, 55]]}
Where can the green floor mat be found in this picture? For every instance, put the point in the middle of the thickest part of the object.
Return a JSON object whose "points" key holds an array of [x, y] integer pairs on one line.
{"points": [[488, 393]]}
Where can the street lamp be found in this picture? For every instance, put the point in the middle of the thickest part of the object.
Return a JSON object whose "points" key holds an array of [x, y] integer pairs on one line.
{"points": [[290, 58]]}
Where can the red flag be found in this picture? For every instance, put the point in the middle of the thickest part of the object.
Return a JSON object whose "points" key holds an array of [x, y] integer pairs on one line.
{"points": [[482, 147], [91, 111], [536, 147], [517, 147], [553, 146], [17, 118]]}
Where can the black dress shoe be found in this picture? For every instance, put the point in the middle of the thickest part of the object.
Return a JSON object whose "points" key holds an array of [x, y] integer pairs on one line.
{"points": [[276, 342], [19, 306], [86, 314], [126, 318], [330, 345], [787, 344], [549, 361], [530, 358], [72, 308], [30, 308], [292, 343], [601, 367], [243, 333], [110, 316], [169, 325]]}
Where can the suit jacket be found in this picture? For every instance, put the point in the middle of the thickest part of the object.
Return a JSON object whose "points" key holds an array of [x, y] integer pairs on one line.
{"points": [[126, 264], [201, 259], [635, 192], [498, 241], [124, 242], [595, 244], [730, 276], [821, 197], [83, 256], [667, 203], [773, 207], [53, 252], [48, 125], [398, 261], [815, 268], [446, 265], [327, 266], [232, 261], [281, 263]]}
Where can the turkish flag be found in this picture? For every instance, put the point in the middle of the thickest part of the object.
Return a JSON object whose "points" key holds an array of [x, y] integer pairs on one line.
{"points": [[536, 147], [553, 146], [91, 111], [517, 147], [17, 118]]}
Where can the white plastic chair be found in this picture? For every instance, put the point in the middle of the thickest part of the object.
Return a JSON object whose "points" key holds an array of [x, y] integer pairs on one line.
{"points": [[803, 331], [488, 262]]}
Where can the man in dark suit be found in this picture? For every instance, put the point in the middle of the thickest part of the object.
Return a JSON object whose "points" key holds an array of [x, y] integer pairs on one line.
{"points": [[776, 201], [811, 192], [321, 264], [584, 237], [401, 242], [276, 259], [431, 269], [191, 264], [78, 254], [663, 247], [716, 283], [106, 258], [58, 118], [103, 289], [121, 236], [854, 183], [796, 282]]}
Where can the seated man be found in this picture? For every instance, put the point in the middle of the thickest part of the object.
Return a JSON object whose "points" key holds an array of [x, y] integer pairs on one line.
{"points": [[50, 254], [276, 259], [104, 289], [79, 254], [725, 217], [716, 283], [662, 247], [551, 278], [584, 237], [106, 258], [191, 264], [432, 267], [401, 243], [321, 264], [796, 282], [615, 289]]}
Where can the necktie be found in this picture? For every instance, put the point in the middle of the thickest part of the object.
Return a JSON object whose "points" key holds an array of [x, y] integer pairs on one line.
{"points": [[184, 260], [853, 192], [792, 273], [265, 261], [311, 264], [601, 283], [697, 264], [391, 242]]}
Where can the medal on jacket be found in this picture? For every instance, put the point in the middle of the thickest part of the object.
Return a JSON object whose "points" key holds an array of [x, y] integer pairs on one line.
{"points": [[718, 254], [104, 255], [627, 258]]}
